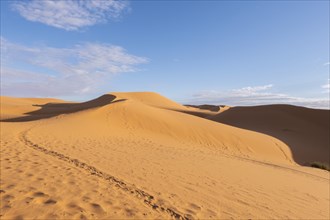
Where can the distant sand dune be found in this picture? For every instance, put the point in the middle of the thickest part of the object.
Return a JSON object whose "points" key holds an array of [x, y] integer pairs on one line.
{"points": [[143, 156], [306, 131]]}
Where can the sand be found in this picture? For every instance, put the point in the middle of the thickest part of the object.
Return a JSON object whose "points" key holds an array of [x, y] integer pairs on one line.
{"points": [[143, 156], [305, 130], [18, 107]]}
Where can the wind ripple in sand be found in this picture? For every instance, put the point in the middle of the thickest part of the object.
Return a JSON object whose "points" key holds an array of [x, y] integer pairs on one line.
{"points": [[147, 198]]}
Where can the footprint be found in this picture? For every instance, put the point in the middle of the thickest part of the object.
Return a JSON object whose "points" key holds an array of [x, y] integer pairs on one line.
{"points": [[39, 194], [194, 206], [50, 202], [7, 197], [85, 198], [129, 212], [82, 217], [74, 207], [97, 208]]}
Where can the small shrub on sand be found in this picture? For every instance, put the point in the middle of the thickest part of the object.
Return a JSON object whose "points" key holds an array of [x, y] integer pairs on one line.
{"points": [[320, 166]]}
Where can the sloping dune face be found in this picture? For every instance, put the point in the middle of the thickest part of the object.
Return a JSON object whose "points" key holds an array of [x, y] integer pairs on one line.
{"points": [[139, 155], [19, 107], [149, 98], [305, 131], [149, 115]]}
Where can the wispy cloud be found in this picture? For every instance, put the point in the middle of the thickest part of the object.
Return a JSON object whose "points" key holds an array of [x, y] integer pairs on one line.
{"points": [[70, 14], [247, 91], [326, 64], [50, 71], [258, 95], [326, 86]]}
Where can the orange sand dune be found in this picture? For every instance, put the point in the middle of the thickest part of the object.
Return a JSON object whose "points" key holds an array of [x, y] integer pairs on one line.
{"points": [[17, 107], [140, 155], [306, 131]]}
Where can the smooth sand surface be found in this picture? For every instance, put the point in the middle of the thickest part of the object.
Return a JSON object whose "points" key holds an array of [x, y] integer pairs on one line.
{"points": [[142, 156]]}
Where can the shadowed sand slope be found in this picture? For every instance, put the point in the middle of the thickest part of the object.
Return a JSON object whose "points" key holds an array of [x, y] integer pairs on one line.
{"points": [[213, 108], [46, 109], [18, 107], [306, 131], [139, 155]]}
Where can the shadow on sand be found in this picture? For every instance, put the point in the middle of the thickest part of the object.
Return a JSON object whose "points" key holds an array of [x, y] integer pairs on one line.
{"points": [[54, 109], [305, 131]]}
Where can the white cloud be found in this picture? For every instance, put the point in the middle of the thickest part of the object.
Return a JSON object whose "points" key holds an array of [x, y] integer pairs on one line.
{"points": [[50, 71], [326, 64], [258, 95], [326, 86], [70, 14], [252, 90]]}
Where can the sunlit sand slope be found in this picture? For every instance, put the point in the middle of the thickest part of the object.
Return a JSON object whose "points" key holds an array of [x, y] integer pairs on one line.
{"points": [[139, 155]]}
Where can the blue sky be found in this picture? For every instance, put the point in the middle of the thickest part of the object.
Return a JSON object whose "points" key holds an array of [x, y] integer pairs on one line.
{"points": [[217, 52]]}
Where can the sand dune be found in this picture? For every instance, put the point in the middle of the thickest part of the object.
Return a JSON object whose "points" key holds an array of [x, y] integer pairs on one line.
{"points": [[306, 131], [17, 107], [141, 155]]}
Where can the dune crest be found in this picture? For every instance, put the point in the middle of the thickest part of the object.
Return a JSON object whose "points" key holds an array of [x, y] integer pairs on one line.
{"points": [[12, 107], [149, 98], [141, 155]]}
